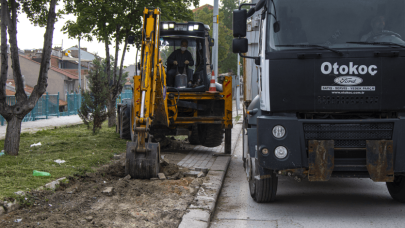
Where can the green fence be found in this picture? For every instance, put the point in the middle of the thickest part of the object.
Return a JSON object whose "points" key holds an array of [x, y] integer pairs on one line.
{"points": [[47, 105], [73, 104], [125, 94]]}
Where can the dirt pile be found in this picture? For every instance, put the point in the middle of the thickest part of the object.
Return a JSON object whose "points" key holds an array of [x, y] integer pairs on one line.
{"points": [[107, 198]]}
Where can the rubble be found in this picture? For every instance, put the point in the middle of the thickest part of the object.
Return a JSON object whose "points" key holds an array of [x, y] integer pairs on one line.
{"points": [[161, 176], [201, 174], [11, 206], [108, 191]]}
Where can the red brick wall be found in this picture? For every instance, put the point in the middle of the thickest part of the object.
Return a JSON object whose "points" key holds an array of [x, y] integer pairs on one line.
{"points": [[54, 62], [75, 71]]}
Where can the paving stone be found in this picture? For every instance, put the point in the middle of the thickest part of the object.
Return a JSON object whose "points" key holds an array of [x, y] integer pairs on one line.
{"points": [[204, 169], [201, 215], [9, 206], [52, 185], [108, 191], [187, 223], [191, 173], [201, 174], [161, 176]]}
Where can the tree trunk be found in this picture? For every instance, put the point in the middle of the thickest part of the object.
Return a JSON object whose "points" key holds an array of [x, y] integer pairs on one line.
{"points": [[16, 113], [117, 43], [112, 119], [12, 142]]}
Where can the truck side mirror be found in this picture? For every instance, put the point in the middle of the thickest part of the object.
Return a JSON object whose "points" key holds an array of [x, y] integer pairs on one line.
{"points": [[131, 39], [251, 12], [260, 5], [240, 45], [239, 22]]}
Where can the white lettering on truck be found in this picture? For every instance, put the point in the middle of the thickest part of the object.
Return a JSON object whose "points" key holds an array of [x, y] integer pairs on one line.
{"points": [[326, 68]]}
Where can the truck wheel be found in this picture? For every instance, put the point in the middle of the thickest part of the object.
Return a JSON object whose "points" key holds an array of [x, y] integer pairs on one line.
{"points": [[193, 136], [211, 135], [263, 190], [125, 128], [397, 189]]}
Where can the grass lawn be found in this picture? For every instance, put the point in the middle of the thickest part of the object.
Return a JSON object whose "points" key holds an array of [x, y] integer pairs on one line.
{"points": [[76, 145]]}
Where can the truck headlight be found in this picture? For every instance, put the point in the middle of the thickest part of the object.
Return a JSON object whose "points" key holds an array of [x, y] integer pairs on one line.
{"points": [[281, 152], [165, 26], [278, 131]]}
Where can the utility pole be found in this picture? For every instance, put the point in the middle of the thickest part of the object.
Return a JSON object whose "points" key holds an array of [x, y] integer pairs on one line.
{"points": [[80, 70], [215, 36], [238, 82]]}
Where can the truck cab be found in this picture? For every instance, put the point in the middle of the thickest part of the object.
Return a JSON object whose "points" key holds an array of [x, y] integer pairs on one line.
{"points": [[329, 101]]}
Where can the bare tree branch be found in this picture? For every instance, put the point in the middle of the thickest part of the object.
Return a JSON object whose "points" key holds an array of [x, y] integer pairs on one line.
{"points": [[4, 55], [40, 88], [123, 56], [15, 60]]}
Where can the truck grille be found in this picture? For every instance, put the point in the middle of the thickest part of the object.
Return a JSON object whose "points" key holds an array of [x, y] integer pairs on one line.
{"points": [[346, 100], [349, 135]]}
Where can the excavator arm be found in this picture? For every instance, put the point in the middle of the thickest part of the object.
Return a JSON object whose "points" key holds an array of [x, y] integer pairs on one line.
{"points": [[148, 101]]}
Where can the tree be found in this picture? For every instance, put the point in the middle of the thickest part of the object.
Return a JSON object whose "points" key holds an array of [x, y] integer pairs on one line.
{"points": [[40, 12], [204, 15], [229, 64], [112, 21], [92, 111]]}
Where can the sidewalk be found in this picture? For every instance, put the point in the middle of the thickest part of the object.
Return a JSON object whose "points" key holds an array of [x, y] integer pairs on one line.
{"points": [[201, 209], [51, 122]]}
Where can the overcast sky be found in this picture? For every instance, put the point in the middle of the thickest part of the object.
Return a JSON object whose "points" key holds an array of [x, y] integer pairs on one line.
{"points": [[32, 37]]}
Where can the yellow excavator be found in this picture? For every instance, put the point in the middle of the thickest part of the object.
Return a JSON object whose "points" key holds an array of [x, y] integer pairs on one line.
{"points": [[160, 108]]}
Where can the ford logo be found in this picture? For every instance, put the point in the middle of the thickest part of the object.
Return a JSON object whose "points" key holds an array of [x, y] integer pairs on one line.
{"points": [[348, 80]]}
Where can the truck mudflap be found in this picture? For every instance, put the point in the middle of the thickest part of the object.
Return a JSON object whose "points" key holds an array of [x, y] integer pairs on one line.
{"points": [[380, 160], [321, 159]]}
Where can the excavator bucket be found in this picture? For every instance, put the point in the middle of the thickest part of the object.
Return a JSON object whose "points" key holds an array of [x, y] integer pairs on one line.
{"points": [[142, 165]]}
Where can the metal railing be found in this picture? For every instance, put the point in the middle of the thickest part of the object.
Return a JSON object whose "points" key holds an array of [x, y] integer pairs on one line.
{"points": [[74, 102], [46, 106], [125, 94]]}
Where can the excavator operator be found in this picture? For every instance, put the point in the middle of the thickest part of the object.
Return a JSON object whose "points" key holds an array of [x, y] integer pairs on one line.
{"points": [[179, 58]]}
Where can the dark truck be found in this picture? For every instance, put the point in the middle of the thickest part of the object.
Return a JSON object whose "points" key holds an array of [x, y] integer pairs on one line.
{"points": [[331, 97]]}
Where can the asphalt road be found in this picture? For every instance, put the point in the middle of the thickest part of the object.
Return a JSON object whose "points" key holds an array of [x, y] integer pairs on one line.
{"points": [[336, 203]]}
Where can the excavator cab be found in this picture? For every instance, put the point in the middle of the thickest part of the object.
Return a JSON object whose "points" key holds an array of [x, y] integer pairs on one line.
{"points": [[197, 36]]}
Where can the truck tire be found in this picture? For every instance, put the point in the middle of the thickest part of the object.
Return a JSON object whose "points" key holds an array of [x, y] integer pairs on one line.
{"points": [[263, 190], [125, 132], [397, 188], [211, 135], [193, 136]]}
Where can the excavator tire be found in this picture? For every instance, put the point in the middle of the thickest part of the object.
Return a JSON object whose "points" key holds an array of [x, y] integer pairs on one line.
{"points": [[193, 136], [125, 129], [211, 135]]}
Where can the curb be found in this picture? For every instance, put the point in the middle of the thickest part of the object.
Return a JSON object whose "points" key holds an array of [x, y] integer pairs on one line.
{"points": [[32, 131], [199, 212]]}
